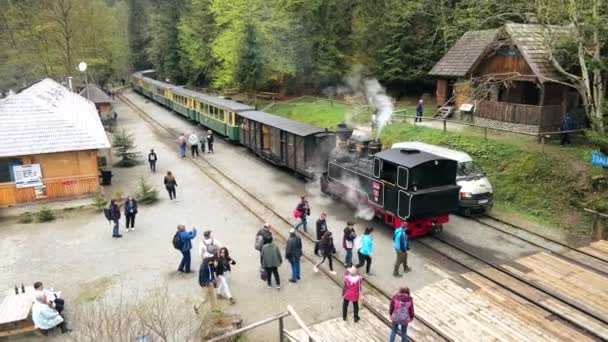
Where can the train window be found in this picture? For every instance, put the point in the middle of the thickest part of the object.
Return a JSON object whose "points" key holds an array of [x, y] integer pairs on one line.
{"points": [[402, 180], [389, 172], [222, 116], [377, 166]]}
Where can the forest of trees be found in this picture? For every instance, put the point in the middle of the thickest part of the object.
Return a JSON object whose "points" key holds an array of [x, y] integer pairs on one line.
{"points": [[279, 45]]}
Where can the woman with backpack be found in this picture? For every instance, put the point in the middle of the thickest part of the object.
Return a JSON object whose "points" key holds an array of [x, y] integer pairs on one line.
{"points": [[401, 311], [222, 271], [327, 248], [209, 246], [351, 292], [170, 185], [365, 251]]}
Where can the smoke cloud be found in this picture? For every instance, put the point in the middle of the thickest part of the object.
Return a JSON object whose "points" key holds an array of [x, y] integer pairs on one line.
{"points": [[352, 197]]}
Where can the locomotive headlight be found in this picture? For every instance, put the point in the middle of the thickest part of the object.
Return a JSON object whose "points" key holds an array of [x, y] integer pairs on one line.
{"points": [[466, 195]]}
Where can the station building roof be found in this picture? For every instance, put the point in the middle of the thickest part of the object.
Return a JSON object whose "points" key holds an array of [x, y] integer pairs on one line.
{"points": [[46, 117], [95, 94], [288, 125]]}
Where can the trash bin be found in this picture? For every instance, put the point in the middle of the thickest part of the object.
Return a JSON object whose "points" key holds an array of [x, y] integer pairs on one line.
{"points": [[106, 177]]}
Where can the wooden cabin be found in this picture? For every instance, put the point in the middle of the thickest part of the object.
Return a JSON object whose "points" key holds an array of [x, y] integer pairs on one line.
{"points": [[49, 138], [103, 102], [507, 76]]}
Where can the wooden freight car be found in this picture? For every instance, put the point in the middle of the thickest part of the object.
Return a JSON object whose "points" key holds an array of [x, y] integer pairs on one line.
{"points": [[295, 145]]}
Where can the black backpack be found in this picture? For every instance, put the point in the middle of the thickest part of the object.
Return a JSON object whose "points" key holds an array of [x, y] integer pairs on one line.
{"points": [[177, 241], [107, 213]]}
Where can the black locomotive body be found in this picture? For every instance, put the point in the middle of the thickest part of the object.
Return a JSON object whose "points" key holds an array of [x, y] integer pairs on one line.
{"points": [[397, 184]]}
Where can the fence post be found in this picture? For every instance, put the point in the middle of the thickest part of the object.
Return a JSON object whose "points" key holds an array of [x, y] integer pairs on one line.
{"points": [[444, 125], [281, 327], [542, 143], [485, 133], [597, 229]]}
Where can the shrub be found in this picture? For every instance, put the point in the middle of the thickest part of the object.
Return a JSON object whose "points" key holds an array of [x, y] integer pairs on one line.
{"points": [[99, 202], [146, 192], [45, 215], [25, 218], [123, 144]]}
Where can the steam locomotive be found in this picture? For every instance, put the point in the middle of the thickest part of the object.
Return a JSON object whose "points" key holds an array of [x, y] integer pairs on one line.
{"points": [[396, 184]]}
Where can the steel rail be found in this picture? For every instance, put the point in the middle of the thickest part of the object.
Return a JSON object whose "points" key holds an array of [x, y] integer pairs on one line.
{"points": [[565, 245], [141, 113], [545, 291], [552, 252]]}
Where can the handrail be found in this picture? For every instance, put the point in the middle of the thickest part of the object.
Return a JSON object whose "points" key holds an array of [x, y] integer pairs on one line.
{"points": [[300, 322], [596, 212], [249, 327]]}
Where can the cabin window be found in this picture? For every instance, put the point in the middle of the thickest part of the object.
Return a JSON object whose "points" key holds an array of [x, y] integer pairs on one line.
{"points": [[377, 166], [389, 172], [403, 177], [6, 169], [221, 115]]}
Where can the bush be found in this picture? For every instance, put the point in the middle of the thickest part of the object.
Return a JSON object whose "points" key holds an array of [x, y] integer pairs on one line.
{"points": [[99, 202], [123, 144], [45, 215], [146, 192], [25, 218]]}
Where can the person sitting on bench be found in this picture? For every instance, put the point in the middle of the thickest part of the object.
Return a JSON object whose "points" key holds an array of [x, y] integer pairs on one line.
{"points": [[52, 296], [45, 316]]}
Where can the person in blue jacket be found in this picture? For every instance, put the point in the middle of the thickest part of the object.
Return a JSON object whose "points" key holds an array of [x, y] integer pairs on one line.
{"points": [[567, 124], [186, 246], [365, 251], [400, 243]]}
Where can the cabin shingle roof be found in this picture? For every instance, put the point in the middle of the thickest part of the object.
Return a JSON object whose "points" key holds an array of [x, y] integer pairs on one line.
{"points": [[46, 117], [464, 54]]}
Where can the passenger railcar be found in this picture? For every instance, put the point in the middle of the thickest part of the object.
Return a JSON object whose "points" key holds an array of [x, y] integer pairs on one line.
{"points": [[398, 185], [292, 144]]}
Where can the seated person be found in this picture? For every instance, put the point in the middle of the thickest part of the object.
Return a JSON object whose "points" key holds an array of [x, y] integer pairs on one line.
{"points": [[45, 316], [52, 296]]}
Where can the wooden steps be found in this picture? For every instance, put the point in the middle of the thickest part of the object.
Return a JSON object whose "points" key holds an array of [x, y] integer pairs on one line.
{"points": [[444, 112]]}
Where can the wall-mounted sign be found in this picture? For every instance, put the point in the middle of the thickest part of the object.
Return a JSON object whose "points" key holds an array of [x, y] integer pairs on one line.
{"points": [[599, 159], [27, 176]]}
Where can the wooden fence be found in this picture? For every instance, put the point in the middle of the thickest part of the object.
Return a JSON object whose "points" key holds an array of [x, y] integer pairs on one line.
{"points": [[542, 116], [55, 188]]}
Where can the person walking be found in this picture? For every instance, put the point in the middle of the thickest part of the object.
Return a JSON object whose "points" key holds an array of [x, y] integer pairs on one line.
{"points": [[293, 253], [365, 252], [209, 246], [208, 281], [400, 242], [327, 248], [567, 124], [271, 260], [302, 211], [351, 292], [130, 212], [203, 143], [401, 311], [170, 185], [419, 110], [184, 242], [181, 145], [152, 158], [321, 229], [210, 141], [115, 218], [193, 141], [348, 242], [224, 267]]}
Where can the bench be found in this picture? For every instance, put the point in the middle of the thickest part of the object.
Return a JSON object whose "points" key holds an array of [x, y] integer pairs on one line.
{"points": [[15, 310]]}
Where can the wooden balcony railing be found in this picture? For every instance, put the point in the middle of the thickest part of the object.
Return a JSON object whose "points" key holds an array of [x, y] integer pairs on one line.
{"points": [[542, 116]]}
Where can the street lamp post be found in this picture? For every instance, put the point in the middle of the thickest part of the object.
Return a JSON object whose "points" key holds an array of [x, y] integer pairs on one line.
{"points": [[83, 67]]}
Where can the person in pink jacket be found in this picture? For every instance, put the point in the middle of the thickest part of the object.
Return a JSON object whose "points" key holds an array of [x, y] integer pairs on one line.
{"points": [[351, 292]]}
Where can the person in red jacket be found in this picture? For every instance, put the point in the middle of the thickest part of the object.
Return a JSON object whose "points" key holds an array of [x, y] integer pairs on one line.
{"points": [[401, 311], [351, 292]]}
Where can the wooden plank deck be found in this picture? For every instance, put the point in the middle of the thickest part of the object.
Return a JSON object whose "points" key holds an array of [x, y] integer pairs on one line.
{"points": [[580, 285], [369, 328], [598, 249]]}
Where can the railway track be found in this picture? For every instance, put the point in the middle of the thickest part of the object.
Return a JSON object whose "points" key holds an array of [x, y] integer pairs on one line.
{"points": [[263, 211], [573, 255], [591, 323]]}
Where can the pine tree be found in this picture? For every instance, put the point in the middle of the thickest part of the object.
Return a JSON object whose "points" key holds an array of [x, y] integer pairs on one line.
{"points": [[123, 143], [146, 193]]}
